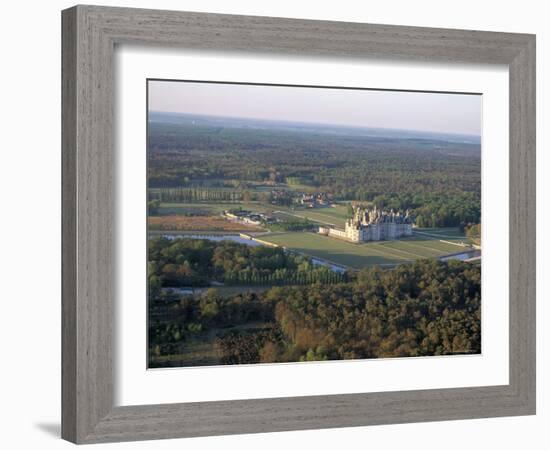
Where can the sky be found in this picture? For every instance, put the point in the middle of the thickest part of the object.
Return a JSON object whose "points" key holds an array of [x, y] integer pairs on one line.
{"points": [[421, 111]]}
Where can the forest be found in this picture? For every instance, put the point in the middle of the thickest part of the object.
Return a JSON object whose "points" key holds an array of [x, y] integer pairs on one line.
{"points": [[436, 178], [420, 309]]}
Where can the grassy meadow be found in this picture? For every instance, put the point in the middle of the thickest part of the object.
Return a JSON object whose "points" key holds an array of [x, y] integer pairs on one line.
{"points": [[358, 256]]}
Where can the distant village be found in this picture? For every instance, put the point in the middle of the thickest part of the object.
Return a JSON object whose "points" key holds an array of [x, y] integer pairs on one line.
{"points": [[308, 200], [315, 200]]}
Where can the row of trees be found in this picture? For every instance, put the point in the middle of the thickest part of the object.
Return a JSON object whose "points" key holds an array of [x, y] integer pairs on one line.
{"points": [[196, 194], [281, 277], [198, 262]]}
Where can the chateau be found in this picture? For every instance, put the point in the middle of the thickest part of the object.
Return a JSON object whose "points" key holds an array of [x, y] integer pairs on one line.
{"points": [[372, 225]]}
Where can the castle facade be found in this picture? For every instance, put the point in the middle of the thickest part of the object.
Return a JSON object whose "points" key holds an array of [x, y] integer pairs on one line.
{"points": [[372, 225]]}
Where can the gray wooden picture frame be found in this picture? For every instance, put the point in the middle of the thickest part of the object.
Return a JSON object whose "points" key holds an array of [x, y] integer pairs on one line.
{"points": [[90, 34]]}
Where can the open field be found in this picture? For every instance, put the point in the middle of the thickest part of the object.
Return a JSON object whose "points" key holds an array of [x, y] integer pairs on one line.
{"points": [[336, 215], [448, 233], [191, 209], [358, 256], [197, 223], [207, 208]]}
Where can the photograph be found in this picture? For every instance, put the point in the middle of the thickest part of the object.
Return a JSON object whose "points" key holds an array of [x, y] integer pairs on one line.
{"points": [[293, 224], [265, 225]]}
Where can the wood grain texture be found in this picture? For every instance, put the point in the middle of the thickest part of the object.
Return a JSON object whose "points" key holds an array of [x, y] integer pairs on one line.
{"points": [[68, 226], [523, 224], [89, 36]]}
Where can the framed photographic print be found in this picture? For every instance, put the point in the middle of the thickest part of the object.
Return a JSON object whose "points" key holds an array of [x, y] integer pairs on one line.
{"points": [[255, 209]]}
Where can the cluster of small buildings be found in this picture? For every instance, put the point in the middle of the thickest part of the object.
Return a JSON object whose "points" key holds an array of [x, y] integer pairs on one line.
{"points": [[372, 225], [281, 197], [315, 200], [248, 217]]}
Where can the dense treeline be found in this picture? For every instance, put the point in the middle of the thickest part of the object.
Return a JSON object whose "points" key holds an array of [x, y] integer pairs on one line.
{"points": [[435, 210], [198, 262], [425, 308]]}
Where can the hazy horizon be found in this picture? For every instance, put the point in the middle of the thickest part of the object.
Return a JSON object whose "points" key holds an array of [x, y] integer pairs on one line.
{"points": [[393, 110], [313, 124]]}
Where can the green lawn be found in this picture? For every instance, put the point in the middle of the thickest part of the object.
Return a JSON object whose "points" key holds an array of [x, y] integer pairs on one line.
{"points": [[361, 255], [336, 215], [208, 209], [442, 233]]}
